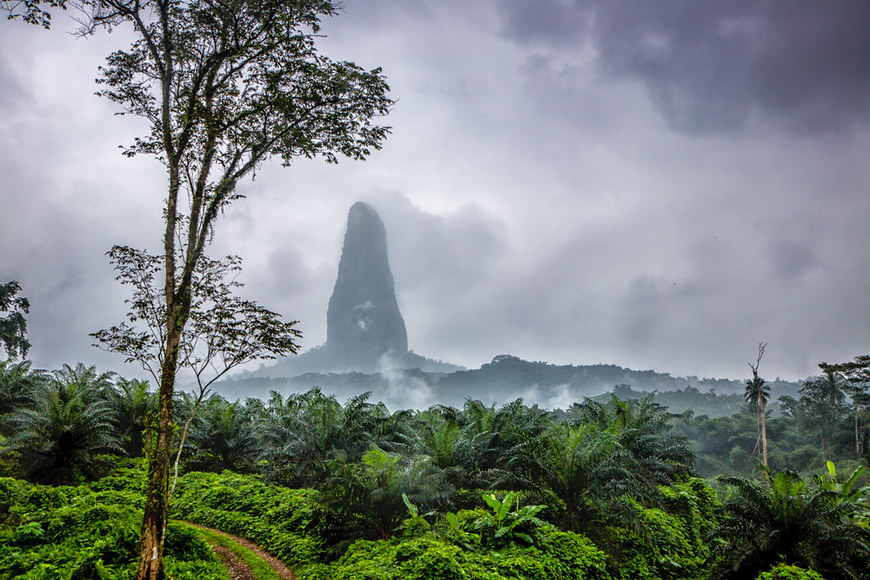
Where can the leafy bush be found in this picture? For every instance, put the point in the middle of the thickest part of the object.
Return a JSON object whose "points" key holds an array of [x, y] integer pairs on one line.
{"points": [[562, 556], [280, 520], [504, 526], [786, 572], [76, 532], [659, 543]]}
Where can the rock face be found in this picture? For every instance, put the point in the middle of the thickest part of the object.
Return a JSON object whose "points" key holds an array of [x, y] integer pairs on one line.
{"points": [[365, 332], [363, 322]]}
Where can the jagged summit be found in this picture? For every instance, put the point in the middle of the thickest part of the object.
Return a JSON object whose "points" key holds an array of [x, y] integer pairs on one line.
{"points": [[363, 322], [365, 330]]}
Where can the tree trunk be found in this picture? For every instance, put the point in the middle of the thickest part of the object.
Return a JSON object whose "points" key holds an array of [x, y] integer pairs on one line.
{"points": [[763, 434], [156, 513], [825, 454]]}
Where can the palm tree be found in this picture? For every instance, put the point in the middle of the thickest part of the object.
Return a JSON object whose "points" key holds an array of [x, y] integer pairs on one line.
{"points": [[857, 376], [222, 438], [654, 455], [649, 452], [301, 434], [781, 518], [490, 437], [133, 401], [67, 423], [574, 468], [367, 497], [17, 385], [756, 395], [624, 448]]}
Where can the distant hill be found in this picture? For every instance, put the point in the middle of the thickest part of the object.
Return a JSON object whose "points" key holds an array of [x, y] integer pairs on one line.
{"points": [[504, 379]]}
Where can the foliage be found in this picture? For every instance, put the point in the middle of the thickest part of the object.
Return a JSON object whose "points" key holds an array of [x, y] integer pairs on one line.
{"points": [[582, 467], [303, 434], [369, 497], [133, 402], [18, 382], [847, 489], [642, 514], [563, 555], [505, 526], [282, 521], [416, 524], [856, 374], [222, 332], [787, 572], [782, 518], [13, 325], [222, 438], [821, 406], [82, 533], [66, 425]]}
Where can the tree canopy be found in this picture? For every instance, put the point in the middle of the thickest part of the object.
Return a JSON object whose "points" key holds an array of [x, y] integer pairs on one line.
{"points": [[13, 325]]}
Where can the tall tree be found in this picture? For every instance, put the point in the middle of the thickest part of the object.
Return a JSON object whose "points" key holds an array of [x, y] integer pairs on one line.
{"points": [[222, 332], [13, 325], [224, 86], [857, 376], [823, 400], [756, 395]]}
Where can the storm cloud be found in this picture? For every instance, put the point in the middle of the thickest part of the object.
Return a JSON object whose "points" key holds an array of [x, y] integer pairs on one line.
{"points": [[655, 185], [712, 66]]}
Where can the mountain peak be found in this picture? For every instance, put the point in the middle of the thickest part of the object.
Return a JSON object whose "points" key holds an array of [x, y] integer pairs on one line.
{"points": [[363, 322]]}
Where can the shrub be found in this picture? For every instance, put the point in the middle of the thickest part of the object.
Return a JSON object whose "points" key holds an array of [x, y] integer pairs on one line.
{"points": [[786, 572], [76, 532]]}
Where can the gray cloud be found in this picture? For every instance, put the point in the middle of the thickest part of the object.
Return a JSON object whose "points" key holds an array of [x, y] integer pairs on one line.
{"points": [[536, 199], [712, 66]]}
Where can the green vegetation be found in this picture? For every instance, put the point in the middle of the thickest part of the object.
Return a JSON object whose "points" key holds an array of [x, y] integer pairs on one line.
{"points": [[608, 489], [88, 532]]}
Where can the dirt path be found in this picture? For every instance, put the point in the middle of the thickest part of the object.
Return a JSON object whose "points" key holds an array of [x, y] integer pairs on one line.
{"points": [[277, 565], [236, 567]]}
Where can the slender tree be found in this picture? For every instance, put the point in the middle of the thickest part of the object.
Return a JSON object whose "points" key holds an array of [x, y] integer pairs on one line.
{"points": [[224, 86], [756, 395], [223, 330]]}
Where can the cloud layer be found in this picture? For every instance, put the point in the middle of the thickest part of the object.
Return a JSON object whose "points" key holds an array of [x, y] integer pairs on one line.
{"points": [[655, 186]]}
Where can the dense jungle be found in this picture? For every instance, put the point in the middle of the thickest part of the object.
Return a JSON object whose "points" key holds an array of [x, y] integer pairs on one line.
{"points": [[608, 488]]}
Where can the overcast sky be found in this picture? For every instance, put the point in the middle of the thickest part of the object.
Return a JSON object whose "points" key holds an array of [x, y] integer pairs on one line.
{"points": [[658, 185]]}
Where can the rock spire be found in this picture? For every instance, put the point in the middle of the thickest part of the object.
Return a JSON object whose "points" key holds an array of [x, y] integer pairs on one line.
{"points": [[363, 322]]}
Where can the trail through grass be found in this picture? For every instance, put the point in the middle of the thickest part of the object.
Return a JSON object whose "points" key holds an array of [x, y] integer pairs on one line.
{"points": [[260, 564]]}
